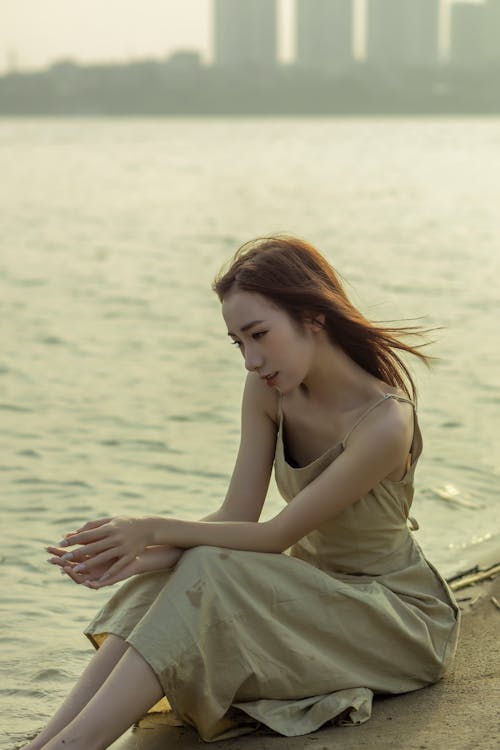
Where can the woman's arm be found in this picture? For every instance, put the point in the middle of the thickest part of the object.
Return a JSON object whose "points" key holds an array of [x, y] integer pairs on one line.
{"points": [[247, 489], [375, 450], [372, 454], [249, 482]]}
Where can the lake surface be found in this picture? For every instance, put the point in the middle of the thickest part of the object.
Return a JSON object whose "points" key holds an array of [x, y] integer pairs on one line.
{"points": [[119, 391]]}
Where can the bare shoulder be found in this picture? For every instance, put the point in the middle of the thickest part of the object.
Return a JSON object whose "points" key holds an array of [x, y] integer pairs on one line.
{"points": [[260, 399], [396, 418], [390, 424]]}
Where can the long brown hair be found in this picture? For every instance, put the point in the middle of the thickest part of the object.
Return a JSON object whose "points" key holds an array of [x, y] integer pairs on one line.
{"points": [[298, 279]]}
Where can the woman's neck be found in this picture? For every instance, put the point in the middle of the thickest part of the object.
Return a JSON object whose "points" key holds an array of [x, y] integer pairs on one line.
{"points": [[336, 382]]}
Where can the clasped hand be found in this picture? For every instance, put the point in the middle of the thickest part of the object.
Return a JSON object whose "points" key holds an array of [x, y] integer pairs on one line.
{"points": [[109, 546]]}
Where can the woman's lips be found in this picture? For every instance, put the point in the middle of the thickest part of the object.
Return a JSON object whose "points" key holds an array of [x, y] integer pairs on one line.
{"points": [[270, 379]]}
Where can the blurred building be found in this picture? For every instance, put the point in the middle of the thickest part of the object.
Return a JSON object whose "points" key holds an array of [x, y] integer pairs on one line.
{"points": [[492, 31], [467, 34], [184, 61], [324, 34], [402, 32], [245, 33]]}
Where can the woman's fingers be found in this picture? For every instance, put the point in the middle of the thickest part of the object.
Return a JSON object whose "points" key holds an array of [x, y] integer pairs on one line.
{"points": [[89, 526], [58, 551], [68, 568], [102, 553], [77, 577], [71, 573], [100, 583], [107, 577], [115, 569], [85, 578], [92, 524], [87, 552], [96, 560], [84, 537]]}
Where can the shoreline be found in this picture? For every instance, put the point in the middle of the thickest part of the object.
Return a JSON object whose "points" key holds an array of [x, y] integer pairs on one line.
{"points": [[458, 712]]}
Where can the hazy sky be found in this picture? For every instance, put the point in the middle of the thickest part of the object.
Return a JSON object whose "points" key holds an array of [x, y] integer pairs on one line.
{"points": [[34, 33]]}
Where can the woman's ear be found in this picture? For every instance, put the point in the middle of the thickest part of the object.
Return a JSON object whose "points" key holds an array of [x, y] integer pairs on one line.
{"points": [[316, 322]]}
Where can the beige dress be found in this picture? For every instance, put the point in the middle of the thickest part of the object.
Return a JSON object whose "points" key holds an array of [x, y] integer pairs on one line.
{"points": [[293, 641]]}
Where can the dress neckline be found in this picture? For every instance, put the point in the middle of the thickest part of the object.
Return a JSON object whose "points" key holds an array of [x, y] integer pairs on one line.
{"points": [[341, 444]]}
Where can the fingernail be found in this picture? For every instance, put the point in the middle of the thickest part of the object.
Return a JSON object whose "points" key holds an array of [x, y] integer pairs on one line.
{"points": [[103, 577], [67, 556], [63, 543], [80, 567]]}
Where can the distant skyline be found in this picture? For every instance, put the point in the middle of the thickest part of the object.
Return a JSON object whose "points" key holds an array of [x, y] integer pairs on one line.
{"points": [[35, 34]]}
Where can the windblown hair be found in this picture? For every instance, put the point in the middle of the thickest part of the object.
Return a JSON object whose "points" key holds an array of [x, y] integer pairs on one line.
{"points": [[298, 279]]}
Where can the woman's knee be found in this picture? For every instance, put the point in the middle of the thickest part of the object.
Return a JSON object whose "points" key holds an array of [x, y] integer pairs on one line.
{"points": [[219, 561], [205, 555]]}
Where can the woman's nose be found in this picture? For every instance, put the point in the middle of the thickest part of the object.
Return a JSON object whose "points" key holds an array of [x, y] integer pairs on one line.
{"points": [[252, 360]]}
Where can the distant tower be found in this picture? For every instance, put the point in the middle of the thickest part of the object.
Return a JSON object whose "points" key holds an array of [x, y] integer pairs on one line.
{"points": [[245, 33], [467, 35], [324, 34], [402, 32], [492, 31]]}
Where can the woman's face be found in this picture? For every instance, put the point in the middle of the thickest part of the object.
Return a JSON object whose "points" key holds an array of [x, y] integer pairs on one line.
{"points": [[271, 343]]}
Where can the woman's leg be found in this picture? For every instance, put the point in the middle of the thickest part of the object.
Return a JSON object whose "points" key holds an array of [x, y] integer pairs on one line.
{"points": [[127, 694], [96, 672]]}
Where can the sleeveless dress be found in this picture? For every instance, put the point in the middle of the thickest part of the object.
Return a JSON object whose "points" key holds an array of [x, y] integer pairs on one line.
{"points": [[294, 640]]}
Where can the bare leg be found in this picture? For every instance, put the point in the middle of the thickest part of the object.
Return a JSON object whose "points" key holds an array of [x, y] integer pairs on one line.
{"points": [[130, 690], [96, 672]]}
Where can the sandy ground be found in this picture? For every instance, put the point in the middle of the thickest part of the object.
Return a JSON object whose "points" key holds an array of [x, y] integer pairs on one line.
{"points": [[461, 712]]}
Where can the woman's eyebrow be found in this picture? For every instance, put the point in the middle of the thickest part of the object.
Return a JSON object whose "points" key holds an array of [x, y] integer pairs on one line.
{"points": [[246, 327]]}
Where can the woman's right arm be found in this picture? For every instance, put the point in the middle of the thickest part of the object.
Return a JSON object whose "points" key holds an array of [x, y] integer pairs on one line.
{"points": [[247, 488], [252, 471]]}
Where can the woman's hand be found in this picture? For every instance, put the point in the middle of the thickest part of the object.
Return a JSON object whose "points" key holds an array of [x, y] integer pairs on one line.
{"points": [[90, 579], [111, 542], [152, 559]]}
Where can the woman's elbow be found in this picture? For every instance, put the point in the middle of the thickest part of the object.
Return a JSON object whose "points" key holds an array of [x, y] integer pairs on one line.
{"points": [[278, 538]]}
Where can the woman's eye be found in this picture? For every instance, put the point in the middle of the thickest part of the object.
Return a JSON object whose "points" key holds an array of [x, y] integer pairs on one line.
{"points": [[256, 335]]}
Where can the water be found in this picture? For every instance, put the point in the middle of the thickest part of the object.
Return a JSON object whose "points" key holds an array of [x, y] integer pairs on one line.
{"points": [[119, 391]]}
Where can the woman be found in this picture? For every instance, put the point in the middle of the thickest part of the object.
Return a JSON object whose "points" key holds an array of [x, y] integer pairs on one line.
{"points": [[237, 633]]}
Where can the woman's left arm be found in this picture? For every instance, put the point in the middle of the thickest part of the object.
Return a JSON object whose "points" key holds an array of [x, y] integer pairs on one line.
{"points": [[374, 451], [372, 454]]}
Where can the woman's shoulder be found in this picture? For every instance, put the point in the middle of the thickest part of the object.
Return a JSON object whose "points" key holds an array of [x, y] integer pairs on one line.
{"points": [[260, 397], [391, 407], [388, 419]]}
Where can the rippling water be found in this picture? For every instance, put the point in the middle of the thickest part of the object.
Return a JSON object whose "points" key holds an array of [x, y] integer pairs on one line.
{"points": [[119, 392]]}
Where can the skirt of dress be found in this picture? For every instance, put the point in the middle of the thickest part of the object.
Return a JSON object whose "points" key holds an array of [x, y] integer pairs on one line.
{"points": [[241, 638]]}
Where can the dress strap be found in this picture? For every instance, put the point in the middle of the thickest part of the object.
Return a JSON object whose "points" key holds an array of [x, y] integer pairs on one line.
{"points": [[280, 407], [373, 406]]}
